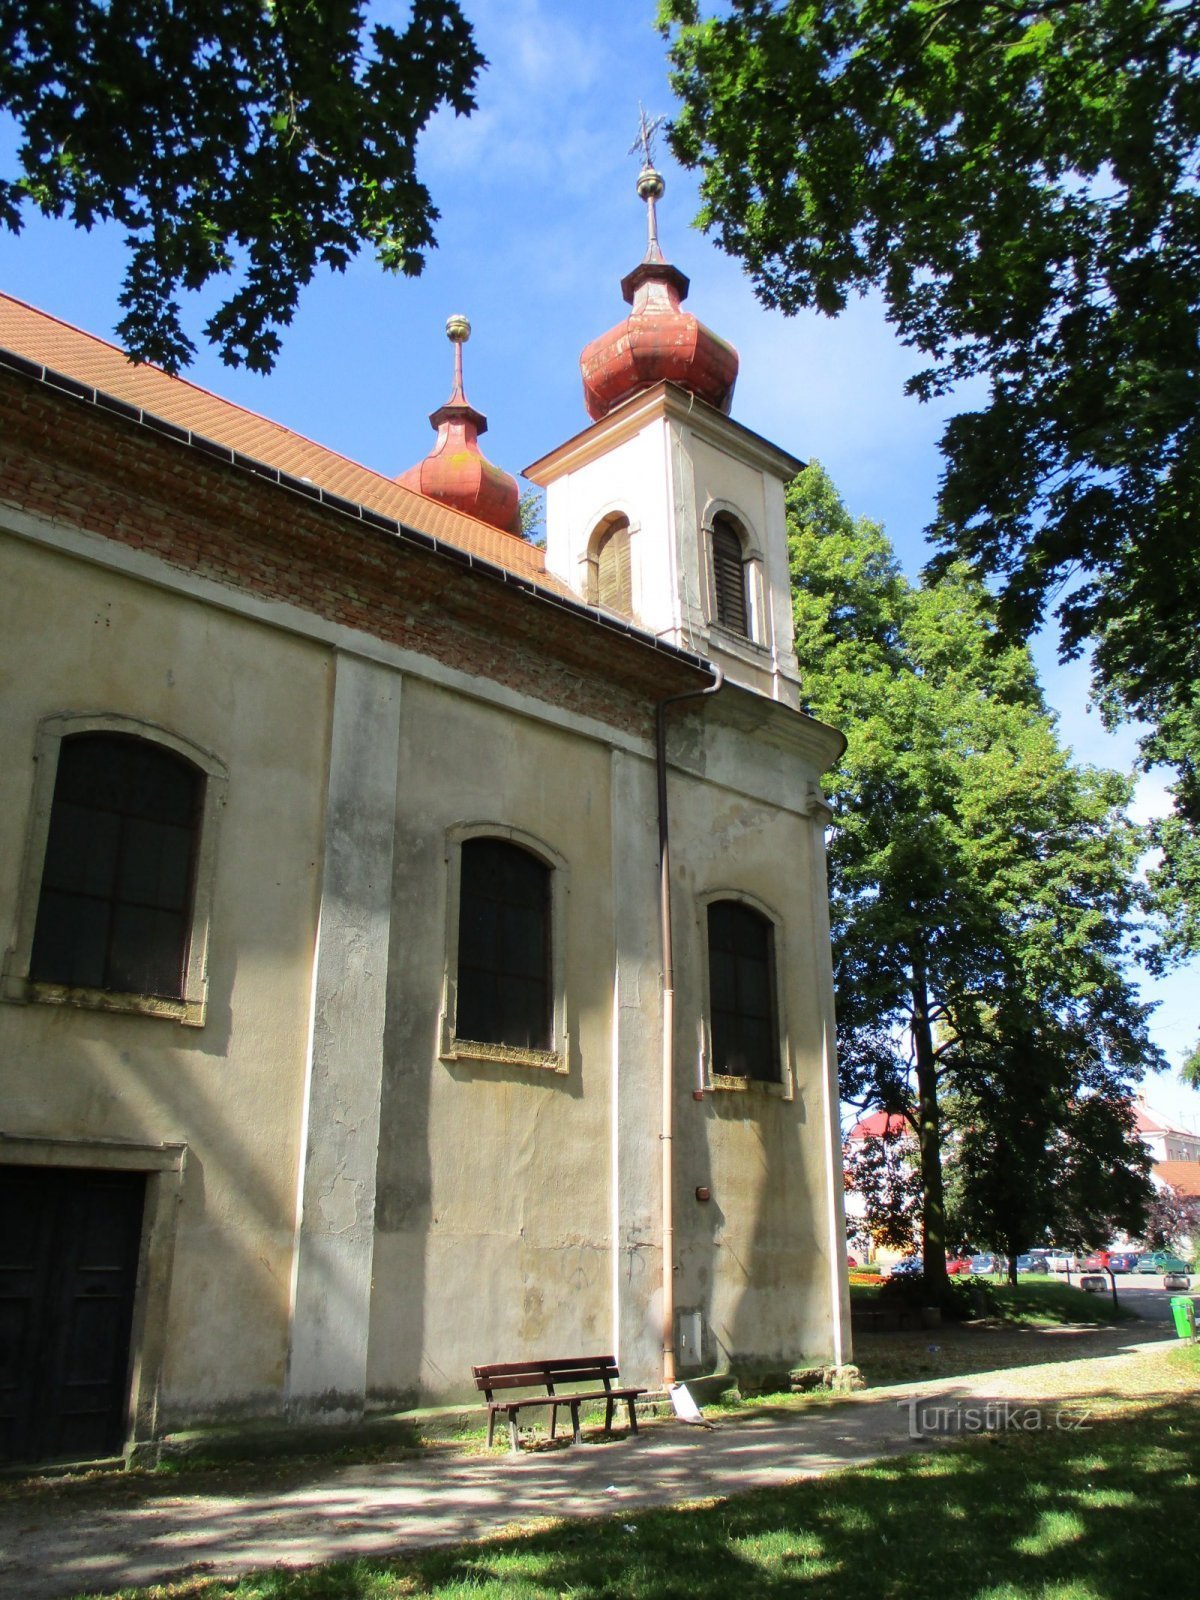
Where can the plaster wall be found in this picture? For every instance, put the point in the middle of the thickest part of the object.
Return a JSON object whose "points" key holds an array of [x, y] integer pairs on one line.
{"points": [[756, 1259], [519, 1210], [74, 637], [668, 478], [515, 1208], [632, 479], [722, 481], [492, 1203]]}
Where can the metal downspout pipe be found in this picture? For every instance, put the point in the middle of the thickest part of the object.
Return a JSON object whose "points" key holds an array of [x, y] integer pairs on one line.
{"points": [[666, 1136]]}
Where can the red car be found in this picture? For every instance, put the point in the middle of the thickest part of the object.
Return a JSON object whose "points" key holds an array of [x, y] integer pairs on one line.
{"points": [[1097, 1262], [958, 1266]]}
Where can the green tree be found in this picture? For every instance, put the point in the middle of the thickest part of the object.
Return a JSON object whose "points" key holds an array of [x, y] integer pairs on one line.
{"points": [[982, 884], [1045, 1146], [255, 139], [883, 1172], [1017, 179], [531, 508], [1172, 1220]]}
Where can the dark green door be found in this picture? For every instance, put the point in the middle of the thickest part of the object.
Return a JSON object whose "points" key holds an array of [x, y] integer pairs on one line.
{"points": [[69, 1242]]}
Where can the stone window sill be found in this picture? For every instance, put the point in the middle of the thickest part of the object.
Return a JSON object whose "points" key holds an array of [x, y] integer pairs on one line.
{"points": [[729, 1083], [505, 1055], [24, 991], [738, 644]]}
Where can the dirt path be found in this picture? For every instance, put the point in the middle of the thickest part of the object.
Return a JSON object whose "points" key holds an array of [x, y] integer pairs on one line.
{"points": [[89, 1537]]}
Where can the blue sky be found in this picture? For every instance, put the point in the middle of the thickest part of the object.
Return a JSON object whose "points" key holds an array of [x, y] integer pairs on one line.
{"points": [[539, 223]]}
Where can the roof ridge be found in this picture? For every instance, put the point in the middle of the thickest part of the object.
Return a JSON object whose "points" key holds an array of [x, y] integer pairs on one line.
{"points": [[281, 431]]}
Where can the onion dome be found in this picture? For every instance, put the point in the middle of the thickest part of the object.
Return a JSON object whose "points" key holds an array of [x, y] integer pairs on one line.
{"points": [[657, 340], [456, 471]]}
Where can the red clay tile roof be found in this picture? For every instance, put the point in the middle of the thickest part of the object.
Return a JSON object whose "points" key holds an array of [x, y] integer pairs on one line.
{"points": [[48, 342], [1183, 1175], [1147, 1120], [877, 1124]]}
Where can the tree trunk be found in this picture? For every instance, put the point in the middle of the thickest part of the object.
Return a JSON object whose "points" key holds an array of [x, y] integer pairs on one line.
{"points": [[929, 1140]]}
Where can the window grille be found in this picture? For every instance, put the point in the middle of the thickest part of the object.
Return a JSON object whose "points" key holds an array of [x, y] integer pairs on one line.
{"points": [[741, 986], [504, 983], [115, 904]]}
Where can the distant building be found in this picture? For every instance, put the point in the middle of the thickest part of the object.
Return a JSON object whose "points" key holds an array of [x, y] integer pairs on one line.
{"points": [[1164, 1142], [857, 1145]]}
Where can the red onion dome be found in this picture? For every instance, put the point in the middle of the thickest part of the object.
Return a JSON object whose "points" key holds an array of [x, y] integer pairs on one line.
{"points": [[657, 341], [456, 471]]}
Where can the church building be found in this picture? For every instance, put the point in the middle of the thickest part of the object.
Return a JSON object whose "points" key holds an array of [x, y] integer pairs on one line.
{"points": [[415, 941]]}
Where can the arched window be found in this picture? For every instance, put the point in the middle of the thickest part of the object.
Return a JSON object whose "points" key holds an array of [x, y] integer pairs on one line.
{"points": [[614, 575], [730, 603], [115, 905], [504, 976], [611, 575], [741, 988]]}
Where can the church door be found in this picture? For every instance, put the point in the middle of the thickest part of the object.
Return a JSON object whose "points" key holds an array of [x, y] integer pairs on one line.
{"points": [[69, 1242]]}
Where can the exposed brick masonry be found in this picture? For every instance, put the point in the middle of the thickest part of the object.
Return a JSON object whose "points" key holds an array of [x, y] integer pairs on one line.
{"points": [[66, 459]]}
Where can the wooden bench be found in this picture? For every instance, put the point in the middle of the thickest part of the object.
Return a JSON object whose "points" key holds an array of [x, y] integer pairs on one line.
{"points": [[545, 1375]]}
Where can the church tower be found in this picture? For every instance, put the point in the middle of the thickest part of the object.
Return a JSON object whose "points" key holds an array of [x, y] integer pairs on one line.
{"points": [[665, 511]]}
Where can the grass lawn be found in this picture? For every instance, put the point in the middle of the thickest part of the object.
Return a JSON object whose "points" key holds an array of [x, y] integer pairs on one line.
{"points": [[1105, 1511], [1036, 1301], [1043, 1302]]}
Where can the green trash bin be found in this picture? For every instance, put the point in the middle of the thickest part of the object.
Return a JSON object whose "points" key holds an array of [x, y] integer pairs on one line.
{"points": [[1183, 1309]]}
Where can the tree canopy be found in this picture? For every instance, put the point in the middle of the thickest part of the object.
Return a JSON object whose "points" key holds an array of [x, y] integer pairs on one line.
{"points": [[982, 887], [1018, 179], [253, 140]]}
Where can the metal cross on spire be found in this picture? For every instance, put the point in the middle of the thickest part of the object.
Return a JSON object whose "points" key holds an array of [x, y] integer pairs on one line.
{"points": [[649, 183], [647, 128]]}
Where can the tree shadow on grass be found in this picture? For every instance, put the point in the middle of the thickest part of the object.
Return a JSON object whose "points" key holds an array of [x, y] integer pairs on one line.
{"points": [[886, 1359], [1087, 1510]]}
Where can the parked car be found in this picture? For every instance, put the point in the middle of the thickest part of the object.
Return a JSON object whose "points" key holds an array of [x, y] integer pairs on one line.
{"points": [[983, 1263], [1123, 1261], [1062, 1261], [910, 1267], [957, 1266], [1162, 1261], [1098, 1261], [1032, 1261]]}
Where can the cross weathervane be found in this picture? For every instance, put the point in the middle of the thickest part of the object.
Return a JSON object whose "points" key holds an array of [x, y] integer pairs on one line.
{"points": [[647, 128]]}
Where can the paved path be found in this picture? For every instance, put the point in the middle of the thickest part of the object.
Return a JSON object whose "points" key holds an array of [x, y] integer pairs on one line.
{"points": [[94, 1539]]}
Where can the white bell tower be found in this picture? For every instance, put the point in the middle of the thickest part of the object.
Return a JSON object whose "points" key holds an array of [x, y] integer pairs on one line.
{"points": [[665, 511]]}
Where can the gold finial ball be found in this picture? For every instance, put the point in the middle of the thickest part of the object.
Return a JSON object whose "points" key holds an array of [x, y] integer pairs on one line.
{"points": [[649, 183], [458, 329]]}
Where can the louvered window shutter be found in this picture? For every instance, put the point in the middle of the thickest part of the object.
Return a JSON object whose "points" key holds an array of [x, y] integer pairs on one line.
{"points": [[614, 578], [729, 575]]}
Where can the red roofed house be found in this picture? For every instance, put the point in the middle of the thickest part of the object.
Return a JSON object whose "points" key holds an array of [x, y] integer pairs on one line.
{"points": [[1165, 1143], [345, 1041], [1175, 1153], [878, 1124]]}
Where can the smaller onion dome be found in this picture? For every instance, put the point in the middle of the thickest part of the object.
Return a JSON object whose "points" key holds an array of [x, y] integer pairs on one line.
{"points": [[657, 340], [456, 471]]}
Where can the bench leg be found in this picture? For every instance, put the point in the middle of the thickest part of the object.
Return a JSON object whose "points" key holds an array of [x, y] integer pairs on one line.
{"points": [[576, 1435], [632, 1416], [608, 1415], [513, 1442], [491, 1427], [553, 1419]]}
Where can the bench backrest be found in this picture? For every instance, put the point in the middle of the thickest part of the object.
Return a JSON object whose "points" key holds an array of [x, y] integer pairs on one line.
{"points": [[545, 1374]]}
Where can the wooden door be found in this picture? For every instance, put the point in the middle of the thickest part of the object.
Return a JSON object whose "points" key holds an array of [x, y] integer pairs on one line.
{"points": [[69, 1242]]}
